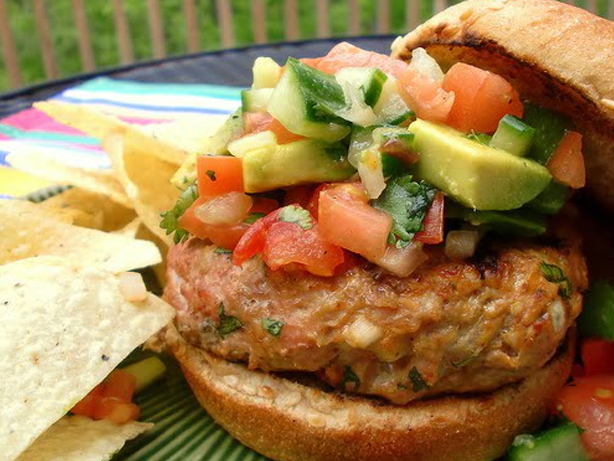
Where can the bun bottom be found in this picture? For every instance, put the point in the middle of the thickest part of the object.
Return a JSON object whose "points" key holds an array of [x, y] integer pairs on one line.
{"points": [[288, 421]]}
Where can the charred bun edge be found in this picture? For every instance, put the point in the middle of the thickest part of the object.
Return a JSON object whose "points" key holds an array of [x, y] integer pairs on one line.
{"points": [[289, 421], [556, 55]]}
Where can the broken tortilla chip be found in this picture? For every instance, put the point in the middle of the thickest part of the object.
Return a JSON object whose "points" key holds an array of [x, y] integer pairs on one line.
{"points": [[100, 181], [63, 329], [27, 232], [146, 180], [77, 438], [102, 213]]}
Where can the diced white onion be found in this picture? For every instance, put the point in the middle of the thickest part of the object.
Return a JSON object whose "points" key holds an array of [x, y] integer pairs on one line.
{"points": [[402, 261], [251, 142], [357, 112], [461, 244], [425, 65], [362, 333], [132, 287], [371, 172], [225, 210]]}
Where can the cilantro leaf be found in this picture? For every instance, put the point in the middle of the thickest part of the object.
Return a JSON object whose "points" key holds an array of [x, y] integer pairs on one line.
{"points": [[272, 326], [222, 251], [253, 217], [170, 218], [418, 383], [350, 377], [407, 202], [228, 323], [211, 175], [555, 274], [297, 215]]}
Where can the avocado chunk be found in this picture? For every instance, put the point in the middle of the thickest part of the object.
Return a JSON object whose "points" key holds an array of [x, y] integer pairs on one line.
{"points": [[476, 175], [305, 161]]}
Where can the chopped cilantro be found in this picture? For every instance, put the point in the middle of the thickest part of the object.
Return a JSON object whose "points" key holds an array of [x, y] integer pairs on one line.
{"points": [[555, 274], [418, 383], [297, 215], [350, 377], [253, 217], [228, 323], [273, 326], [211, 175], [222, 251], [170, 218], [407, 202]]}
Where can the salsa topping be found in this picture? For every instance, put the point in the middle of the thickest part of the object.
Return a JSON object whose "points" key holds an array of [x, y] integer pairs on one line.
{"points": [[377, 157]]}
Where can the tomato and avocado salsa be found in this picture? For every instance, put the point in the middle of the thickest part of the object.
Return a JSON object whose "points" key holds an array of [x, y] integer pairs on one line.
{"points": [[378, 155]]}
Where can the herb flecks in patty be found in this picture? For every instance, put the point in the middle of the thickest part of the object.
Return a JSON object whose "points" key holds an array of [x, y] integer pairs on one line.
{"points": [[228, 323], [556, 275], [272, 326]]}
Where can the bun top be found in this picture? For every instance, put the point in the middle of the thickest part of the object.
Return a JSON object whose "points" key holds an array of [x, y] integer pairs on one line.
{"points": [[555, 55]]}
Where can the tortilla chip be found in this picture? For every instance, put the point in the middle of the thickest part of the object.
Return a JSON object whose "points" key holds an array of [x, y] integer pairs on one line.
{"points": [[146, 180], [99, 181], [100, 212], [189, 133], [63, 329], [131, 229], [26, 232], [77, 438], [99, 125]]}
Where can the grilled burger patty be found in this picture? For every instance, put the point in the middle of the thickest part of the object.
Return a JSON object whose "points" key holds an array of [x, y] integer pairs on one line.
{"points": [[449, 327]]}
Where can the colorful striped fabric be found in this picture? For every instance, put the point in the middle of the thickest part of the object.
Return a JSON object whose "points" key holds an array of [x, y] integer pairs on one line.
{"points": [[133, 102]]}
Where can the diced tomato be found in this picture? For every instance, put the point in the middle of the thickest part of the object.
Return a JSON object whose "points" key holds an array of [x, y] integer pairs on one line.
{"points": [[253, 240], [301, 195], [225, 236], [424, 95], [218, 175], [597, 356], [589, 403], [432, 226], [87, 406], [263, 121], [288, 243], [347, 55], [346, 220], [120, 385], [111, 399], [116, 411], [264, 205], [254, 122], [567, 161], [481, 98], [281, 243]]}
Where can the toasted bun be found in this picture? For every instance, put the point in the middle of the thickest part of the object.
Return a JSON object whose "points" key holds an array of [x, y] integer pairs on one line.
{"points": [[288, 421], [555, 55]]}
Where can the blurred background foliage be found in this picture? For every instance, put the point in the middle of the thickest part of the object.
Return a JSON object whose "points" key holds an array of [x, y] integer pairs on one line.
{"points": [[102, 28]]}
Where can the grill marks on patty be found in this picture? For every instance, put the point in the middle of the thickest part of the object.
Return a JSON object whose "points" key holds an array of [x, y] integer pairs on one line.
{"points": [[450, 327]]}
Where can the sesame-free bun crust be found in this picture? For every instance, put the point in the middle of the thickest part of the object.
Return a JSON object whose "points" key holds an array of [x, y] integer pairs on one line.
{"points": [[288, 421], [555, 55]]}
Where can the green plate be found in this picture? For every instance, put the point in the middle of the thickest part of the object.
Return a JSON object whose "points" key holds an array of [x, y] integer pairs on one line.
{"points": [[183, 431]]}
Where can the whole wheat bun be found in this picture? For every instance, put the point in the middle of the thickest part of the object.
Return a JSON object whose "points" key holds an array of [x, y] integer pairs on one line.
{"points": [[554, 54], [288, 421]]}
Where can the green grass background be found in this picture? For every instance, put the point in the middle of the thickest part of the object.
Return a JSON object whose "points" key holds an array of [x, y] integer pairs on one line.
{"points": [[100, 19]]}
